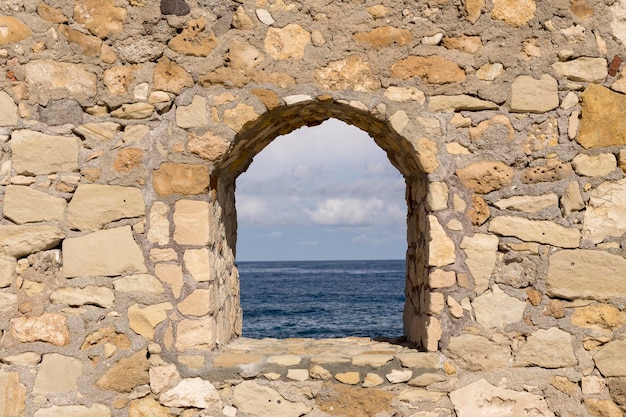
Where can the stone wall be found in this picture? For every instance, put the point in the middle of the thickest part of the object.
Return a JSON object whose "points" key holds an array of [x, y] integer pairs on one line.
{"points": [[125, 123]]}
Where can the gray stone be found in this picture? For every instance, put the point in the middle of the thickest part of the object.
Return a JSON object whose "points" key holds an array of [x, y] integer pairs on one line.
{"points": [[571, 271], [92, 295], [605, 215], [250, 397], [19, 241], [480, 398], [534, 96], [174, 7], [192, 392], [57, 374], [60, 112], [108, 252], [610, 359], [551, 348], [8, 110], [496, 309], [592, 70], [28, 146], [93, 206], [477, 353], [535, 231], [27, 205]]}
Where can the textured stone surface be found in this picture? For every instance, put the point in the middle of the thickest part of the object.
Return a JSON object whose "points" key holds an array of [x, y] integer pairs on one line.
{"points": [[8, 110], [250, 397], [459, 103], [551, 348], [198, 303], [485, 176], [14, 30], [92, 295], [432, 69], [496, 309], [208, 146], [535, 231], [171, 77], [477, 353], [441, 247], [50, 80], [107, 252], [196, 334], [27, 145], [514, 13], [126, 374], [57, 374], [12, 395], [18, 241], [593, 70], [599, 316], [287, 43], [143, 283], [534, 96], [481, 253], [194, 115], [96, 410], [609, 359], [26, 205], [94, 206], [600, 123], [349, 73], [191, 223], [570, 272], [384, 36], [49, 327], [171, 178], [594, 165], [144, 319], [101, 18], [606, 211], [195, 40]]}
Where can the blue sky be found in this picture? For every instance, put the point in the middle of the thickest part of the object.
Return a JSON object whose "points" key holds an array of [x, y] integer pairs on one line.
{"points": [[322, 193]]}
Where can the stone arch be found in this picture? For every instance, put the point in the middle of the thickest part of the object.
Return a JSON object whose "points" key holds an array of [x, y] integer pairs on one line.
{"points": [[402, 154]]}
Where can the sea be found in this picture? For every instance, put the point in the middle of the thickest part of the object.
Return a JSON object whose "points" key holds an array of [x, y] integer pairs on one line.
{"points": [[322, 299]]}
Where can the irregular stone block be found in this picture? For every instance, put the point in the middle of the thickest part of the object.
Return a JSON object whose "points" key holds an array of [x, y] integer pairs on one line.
{"points": [[60, 112], [572, 200], [605, 214], [193, 392], [237, 118], [13, 30], [8, 110], [592, 70], [8, 265], [287, 43], [49, 327], [514, 12], [134, 111], [171, 274], [90, 45], [459, 103], [8, 302], [610, 358], [432, 69], [192, 223], [57, 374], [352, 73], [127, 374], [19, 241], [98, 132], [100, 17], [90, 295], [540, 231], [441, 249], [26, 205], [48, 80], [426, 153], [404, 94], [528, 203], [174, 7], [140, 284], [534, 96], [476, 353], [12, 395], [481, 252], [108, 252], [147, 406], [485, 176], [551, 348], [171, 77], [96, 410], [604, 408], [480, 398], [384, 36], [196, 334], [250, 397], [553, 170], [599, 316], [144, 319], [171, 178], [93, 206], [208, 146], [497, 309], [594, 165], [27, 146], [197, 264], [195, 39], [571, 271], [199, 303], [194, 115], [602, 123]]}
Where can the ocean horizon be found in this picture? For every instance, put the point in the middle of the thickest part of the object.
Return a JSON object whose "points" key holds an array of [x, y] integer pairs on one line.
{"points": [[322, 299]]}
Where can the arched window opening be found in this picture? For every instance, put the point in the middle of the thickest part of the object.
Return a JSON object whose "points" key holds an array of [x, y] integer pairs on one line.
{"points": [[321, 237]]}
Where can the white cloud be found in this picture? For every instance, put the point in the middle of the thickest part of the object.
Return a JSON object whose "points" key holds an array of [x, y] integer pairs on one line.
{"points": [[346, 211]]}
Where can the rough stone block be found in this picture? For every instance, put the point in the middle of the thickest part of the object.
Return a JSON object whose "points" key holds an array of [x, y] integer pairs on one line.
{"points": [[26, 205], [27, 146]]}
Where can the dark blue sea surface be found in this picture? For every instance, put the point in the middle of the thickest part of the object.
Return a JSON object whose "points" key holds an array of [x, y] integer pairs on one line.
{"points": [[322, 299]]}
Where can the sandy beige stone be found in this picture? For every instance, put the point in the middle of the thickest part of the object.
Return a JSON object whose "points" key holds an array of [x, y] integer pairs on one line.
{"points": [[208, 146], [594, 165], [172, 178], [599, 316], [50, 80], [481, 254], [237, 118], [352, 73], [287, 43], [458, 103], [159, 224], [108, 252], [540, 231], [441, 249], [134, 111], [551, 348], [8, 110], [432, 69], [477, 353], [534, 96], [513, 12], [171, 274], [171, 77], [12, 395], [467, 44], [26, 205], [147, 407], [601, 124], [57, 374], [50, 13], [439, 278], [117, 80], [19, 241], [90, 45], [90, 295], [96, 410], [528, 203], [250, 397], [27, 146], [144, 319], [426, 153], [140, 284], [98, 132], [495, 308], [473, 9], [572, 200], [93, 205], [384, 36], [196, 334], [195, 40], [126, 374], [604, 214], [485, 176], [197, 264], [199, 303], [350, 377], [101, 18], [192, 223], [585, 69], [194, 115], [14, 30]]}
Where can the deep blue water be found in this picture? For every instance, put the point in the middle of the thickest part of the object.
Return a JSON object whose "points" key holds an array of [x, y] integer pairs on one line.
{"points": [[322, 299]]}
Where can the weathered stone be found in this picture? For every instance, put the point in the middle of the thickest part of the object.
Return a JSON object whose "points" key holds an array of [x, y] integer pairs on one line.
{"points": [[12, 395], [476, 353], [606, 211], [237, 118], [19, 241], [592, 70], [599, 316], [480, 398], [528, 203], [171, 274], [540, 231], [174, 7], [350, 378], [250, 397], [287, 43], [551, 348], [163, 377], [437, 198], [197, 264], [371, 380], [479, 212], [439, 278], [513, 12], [49, 327], [195, 40], [352, 73], [241, 20], [26, 205], [440, 247], [92, 295], [459, 103], [426, 152], [27, 146], [398, 376], [8, 302], [60, 112], [384, 36], [594, 165], [601, 124], [208, 146], [269, 98], [13, 30], [534, 96], [93, 206], [602, 408], [553, 170], [57, 374], [8, 265], [375, 360], [485, 176], [147, 407], [126, 374], [50, 14], [144, 319], [169, 76], [496, 309], [572, 200], [96, 410], [571, 271], [481, 252], [199, 303], [159, 230], [101, 18], [90, 45], [8, 110], [405, 94], [51, 80], [196, 334], [617, 389], [609, 358], [191, 223], [541, 136], [467, 44], [140, 284], [433, 69], [108, 252], [489, 72], [473, 8], [134, 111], [399, 120], [98, 132], [118, 79], [128, 159], [171, 178]]}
